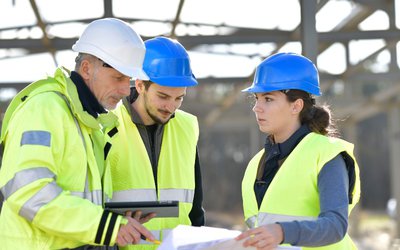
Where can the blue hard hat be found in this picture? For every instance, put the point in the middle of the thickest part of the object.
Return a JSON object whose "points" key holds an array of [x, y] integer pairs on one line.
{"points": [[284, 71], [167, 63]]}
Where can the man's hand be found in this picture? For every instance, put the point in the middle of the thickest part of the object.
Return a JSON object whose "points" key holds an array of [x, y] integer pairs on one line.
{"points": [[264, 237], [131, 232]]}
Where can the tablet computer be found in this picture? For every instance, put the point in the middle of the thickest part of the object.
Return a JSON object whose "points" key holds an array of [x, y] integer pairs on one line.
{"points": [[161, 208]]}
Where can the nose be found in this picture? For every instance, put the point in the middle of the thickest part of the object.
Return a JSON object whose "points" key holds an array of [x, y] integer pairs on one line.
{"points": [[170, 106], [257, 108]]}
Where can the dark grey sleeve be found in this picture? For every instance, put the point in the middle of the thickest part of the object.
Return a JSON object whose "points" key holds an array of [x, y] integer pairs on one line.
{"points": [[331, 225], [196, 215]]}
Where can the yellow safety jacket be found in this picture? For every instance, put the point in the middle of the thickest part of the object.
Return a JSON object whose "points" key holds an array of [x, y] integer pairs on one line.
{"points": [[51, 173], [293, 193], [132, 174]]}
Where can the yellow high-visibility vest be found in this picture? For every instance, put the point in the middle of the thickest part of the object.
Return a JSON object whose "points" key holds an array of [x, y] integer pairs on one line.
{"points": [[293, 193], [132, 173]]}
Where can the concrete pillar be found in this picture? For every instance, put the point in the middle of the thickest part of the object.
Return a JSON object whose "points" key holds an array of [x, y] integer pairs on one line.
{"points": [[309, 36], [394, 146]]}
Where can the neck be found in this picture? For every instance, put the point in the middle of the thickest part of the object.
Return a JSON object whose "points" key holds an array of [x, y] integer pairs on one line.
{"points": [[139, 106], [286, 132]]}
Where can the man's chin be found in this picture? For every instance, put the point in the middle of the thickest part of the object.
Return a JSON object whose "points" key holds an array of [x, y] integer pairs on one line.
{"points": [[110, 106], [162, 121]]}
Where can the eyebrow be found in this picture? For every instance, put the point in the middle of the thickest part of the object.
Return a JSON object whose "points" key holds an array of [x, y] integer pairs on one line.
{"points": [[118, 74], [265, 94], [162, 93]]}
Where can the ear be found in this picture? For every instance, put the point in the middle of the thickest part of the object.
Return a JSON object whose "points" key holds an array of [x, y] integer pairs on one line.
{"points": [[297, 106], [139, 86], [85, 69]]}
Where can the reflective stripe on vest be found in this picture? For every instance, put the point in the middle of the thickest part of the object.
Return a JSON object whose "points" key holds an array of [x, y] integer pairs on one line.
{"points": [[181, 195], [95, 196], [41, 198], [268, 218], [25, 177], [135, 195]]}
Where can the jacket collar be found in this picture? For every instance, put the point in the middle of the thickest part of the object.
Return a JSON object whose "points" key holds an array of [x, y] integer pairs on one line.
{"points": [[103, 120], [285, 148], [89, 102]]}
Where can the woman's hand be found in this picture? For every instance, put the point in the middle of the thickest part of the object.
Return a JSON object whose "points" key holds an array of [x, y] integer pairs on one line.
{"points": [[263, 238]]}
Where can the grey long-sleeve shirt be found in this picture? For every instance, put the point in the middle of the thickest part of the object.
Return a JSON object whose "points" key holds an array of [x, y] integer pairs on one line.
{"points": [[331, 225]]}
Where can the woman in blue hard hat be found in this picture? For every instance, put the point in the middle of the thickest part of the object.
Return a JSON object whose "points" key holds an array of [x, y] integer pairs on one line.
{"points": [[299, 189]]}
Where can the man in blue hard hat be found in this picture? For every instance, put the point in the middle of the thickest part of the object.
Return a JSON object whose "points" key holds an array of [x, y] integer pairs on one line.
{"points": [[154, 154]]}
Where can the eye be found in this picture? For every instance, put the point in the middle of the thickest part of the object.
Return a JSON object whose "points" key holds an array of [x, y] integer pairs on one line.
{"points": [[267, 99], [163, 97], [119, 78]]}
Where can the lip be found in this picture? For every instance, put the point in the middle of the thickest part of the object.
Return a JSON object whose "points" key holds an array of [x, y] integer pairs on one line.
{"points": [[165, 113], [261, 121]]}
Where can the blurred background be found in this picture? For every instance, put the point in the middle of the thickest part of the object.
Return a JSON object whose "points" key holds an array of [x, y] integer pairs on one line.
{"points": [[355, 45]]}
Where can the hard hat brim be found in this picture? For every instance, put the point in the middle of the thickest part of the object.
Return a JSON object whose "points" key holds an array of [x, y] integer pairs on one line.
{"points": [[139, 74], [185, 81], [261, 88]]}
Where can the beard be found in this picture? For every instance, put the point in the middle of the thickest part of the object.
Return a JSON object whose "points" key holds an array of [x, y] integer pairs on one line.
{"points": [[155, 118], [153, 112]]}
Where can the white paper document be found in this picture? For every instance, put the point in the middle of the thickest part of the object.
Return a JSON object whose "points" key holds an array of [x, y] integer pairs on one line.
{"points": [[205, 238]]}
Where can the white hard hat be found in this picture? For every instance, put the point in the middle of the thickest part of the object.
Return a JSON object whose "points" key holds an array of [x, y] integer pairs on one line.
{"points": [[116, 43]]}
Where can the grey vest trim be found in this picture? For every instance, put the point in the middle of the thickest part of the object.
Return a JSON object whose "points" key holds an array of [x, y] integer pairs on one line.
{"points": [[95, 196], [181, 195], [135, 195], [268, 218]]}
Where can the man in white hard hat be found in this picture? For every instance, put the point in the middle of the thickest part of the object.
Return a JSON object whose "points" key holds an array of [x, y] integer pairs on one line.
{"points": [[52, 172]]}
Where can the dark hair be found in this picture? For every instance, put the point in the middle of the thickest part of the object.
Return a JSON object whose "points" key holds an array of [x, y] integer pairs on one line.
{"points": [[318, 118], [147, 84]]}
